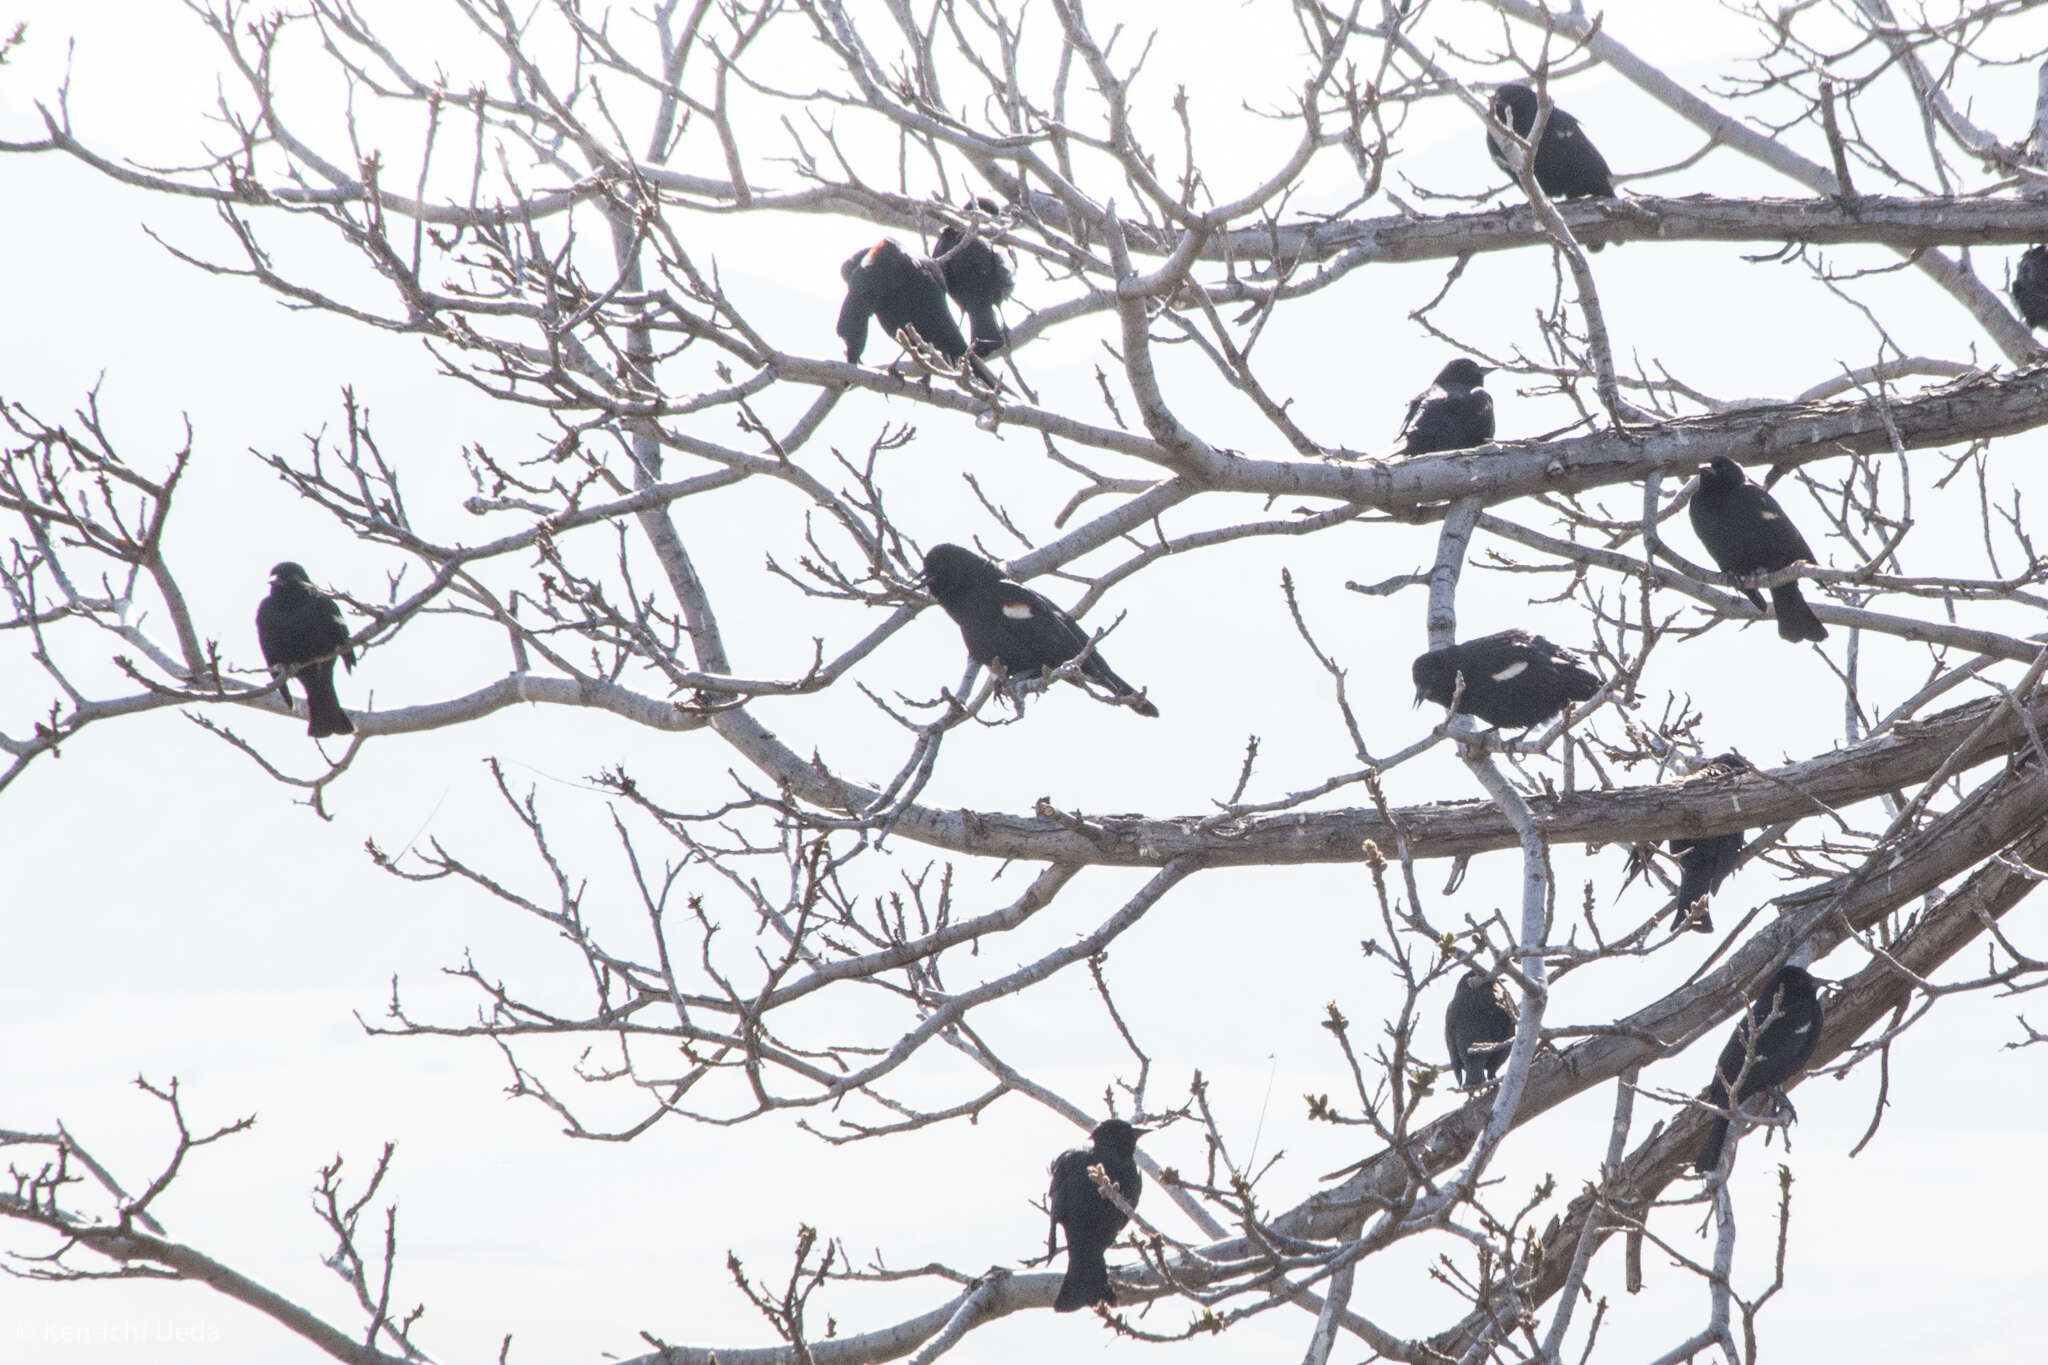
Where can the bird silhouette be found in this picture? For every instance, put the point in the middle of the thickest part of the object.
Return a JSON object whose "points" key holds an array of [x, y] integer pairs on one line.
{"points": [[1454, 413], [300, 630], [887, 283], [1770, 1045], [978, 279], [2030, 286], [1567, 164], [1478, 1027], [1746, 532], [1090, 1221], [1010, 628], [1512, 679]]}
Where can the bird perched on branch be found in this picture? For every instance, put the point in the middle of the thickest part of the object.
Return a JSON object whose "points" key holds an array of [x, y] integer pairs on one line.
{"points": [[1090, 1221], [889, 284], [977, 278], [1011, 629], [1511, 679], [1703, 863], [1478, 1027], [1746, 532], [300, 630], [2030, 286], [1454, 413], [1771, 1045], [1567, 164]]}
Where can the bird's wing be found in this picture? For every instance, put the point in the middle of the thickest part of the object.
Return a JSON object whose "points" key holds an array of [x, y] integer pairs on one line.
{"points": [[853, 316], [1782, 536], [1066, 1168], [334, 631], [1414, 406], [268, 632], [1756, 534], [1040, 625]]}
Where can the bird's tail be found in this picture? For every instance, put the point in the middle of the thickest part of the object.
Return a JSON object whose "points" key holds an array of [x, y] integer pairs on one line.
{"points": [[1796, 620], [1106, 675], [1692, 884], [988, 331], [1086, 1282], [322, 707], [1709, 1158]]}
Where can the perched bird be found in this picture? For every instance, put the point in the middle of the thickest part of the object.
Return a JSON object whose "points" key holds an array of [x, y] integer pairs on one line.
{"points": [[1478, 1027], [978, 278], [1568, 165], [1452, 414], [1512, 679], [1009, 627], [1704, 863], [300, 630], [888, 283], [1769, 1047], [2030, 286], [1746, 532], [1090, 1221]]}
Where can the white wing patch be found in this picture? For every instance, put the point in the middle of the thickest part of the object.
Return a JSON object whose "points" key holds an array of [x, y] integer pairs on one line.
{"points": [[1513, 670], [1018, 611], [1769, 515]]}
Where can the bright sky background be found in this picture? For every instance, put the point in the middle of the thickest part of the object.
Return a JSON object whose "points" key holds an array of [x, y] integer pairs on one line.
{"points": [[168, 912]]}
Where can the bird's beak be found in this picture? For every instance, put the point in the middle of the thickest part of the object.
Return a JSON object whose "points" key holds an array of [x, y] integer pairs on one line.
{"points": [[1418, 699]]}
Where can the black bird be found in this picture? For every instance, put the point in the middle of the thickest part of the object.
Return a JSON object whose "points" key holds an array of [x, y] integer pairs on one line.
{"points": [[1478, 1027], [1009, 627], [1704, 863], [1090, 1221], [2030, 286], [1746, 532], [1789, 1017], [1452, 414], [300, 630], [978, 278], [888, 283], [1568, 165], [1512, 679]]}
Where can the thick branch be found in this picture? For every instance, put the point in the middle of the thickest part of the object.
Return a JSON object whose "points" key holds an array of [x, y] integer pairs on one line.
{"points": [[1901, 754]]}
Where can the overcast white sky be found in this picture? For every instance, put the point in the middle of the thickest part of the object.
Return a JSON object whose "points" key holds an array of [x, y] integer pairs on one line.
{"points": [[168, 912]]}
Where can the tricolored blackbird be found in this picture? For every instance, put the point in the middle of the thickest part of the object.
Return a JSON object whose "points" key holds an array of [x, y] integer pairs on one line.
{"points": [[1090, 1221], [1769, 1047], [2030, 286], [1009, 627], [300, 630], [889, 284], [1512, 679], [1746, 532], [1452, 414], [1568, 165], [1478, 1027], [978, 278]]}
